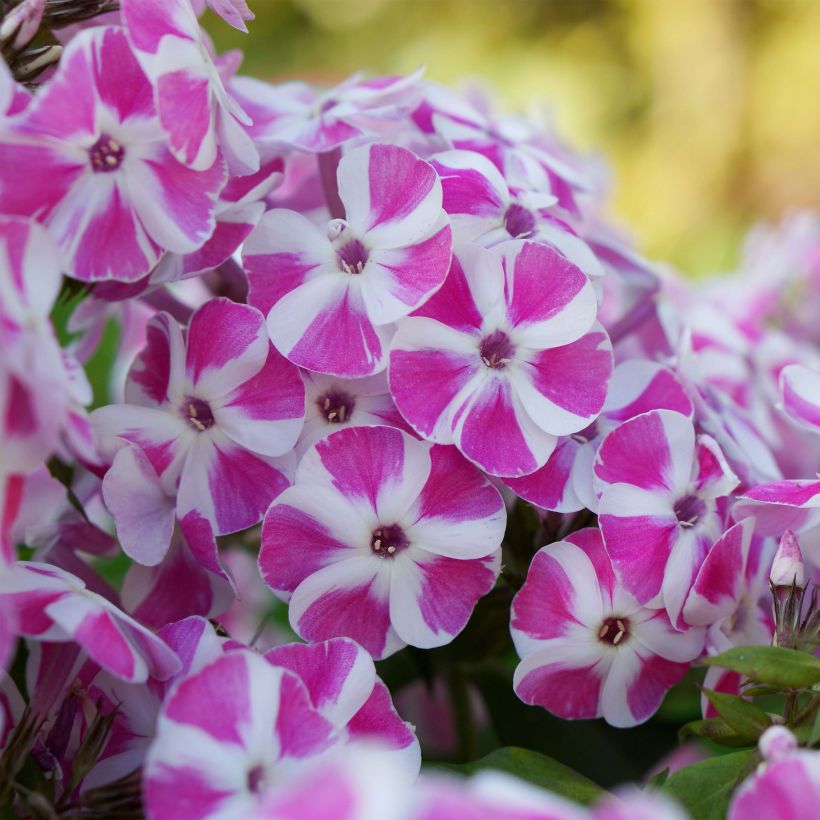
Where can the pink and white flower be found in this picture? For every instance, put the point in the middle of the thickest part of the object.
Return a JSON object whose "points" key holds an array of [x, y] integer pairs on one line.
{"points": [[107, 188], [727, 597], [508, 344], [226, 734], [786, 785], [483, 208], [341, 679], [54, 606], [332, 297], [209, 412], [565, 483], [175, 53], [294, 115], [658, 511], [383, 539], [800, 395], [525, 155], [333, 403], [588, 648]]}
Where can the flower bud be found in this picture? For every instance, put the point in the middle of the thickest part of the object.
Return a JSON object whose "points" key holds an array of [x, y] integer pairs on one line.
{"points": [[788, 568], [777, 742]]}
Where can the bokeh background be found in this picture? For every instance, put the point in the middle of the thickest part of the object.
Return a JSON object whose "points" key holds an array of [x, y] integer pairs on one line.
{"points": [[707, 110]]}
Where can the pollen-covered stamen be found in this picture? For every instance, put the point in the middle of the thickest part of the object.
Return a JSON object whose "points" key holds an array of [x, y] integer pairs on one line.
{"points": [[496, 350], [688, 510], [614, 631], [336, 406], [388, 541], [198, 413], [106, 154], [519, 222], [352, 257]]}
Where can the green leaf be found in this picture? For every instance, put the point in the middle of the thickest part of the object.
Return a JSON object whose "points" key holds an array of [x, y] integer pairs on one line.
{"points": [[744, 717], [536, 768], [705, 788], [718, 731], [774, 665]]}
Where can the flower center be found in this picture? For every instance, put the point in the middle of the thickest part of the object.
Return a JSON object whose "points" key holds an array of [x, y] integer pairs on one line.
{"points": [[198, 414], [614, 631], [388, 541], [336, 406], [352, 257], [256, 779], [106, 155], [519, 222], [688, 510], [496, 350]]}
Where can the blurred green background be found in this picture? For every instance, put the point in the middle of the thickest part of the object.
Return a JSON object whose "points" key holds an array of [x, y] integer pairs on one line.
{"points": [[708, 110]]}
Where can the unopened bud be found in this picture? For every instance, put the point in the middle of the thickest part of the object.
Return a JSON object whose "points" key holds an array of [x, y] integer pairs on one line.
{"points": [[788, 568], [776, 743]]}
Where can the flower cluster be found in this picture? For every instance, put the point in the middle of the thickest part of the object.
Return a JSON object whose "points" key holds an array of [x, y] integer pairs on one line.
{"points": [[385, 387]]}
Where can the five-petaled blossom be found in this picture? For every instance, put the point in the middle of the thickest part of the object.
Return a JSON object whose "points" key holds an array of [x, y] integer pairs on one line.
{"points": [[107, 188], [383, 539], [509, 345], [332, 297], [228, 733], [660, 483], [210, 411], [588, 648]]}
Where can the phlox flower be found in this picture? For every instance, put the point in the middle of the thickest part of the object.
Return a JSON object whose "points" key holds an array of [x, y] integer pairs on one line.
{"points": [[565, 483], [331, 297], [341, 679], [226, 735], [483, 208], [727, 597], [509, 345], [175, 53], [528, 156], [295, 115], [786, 785], [208, 411], [54, 606], [107, 187], [332, 403], [383, 539], [588, 648], [658, 513]]}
